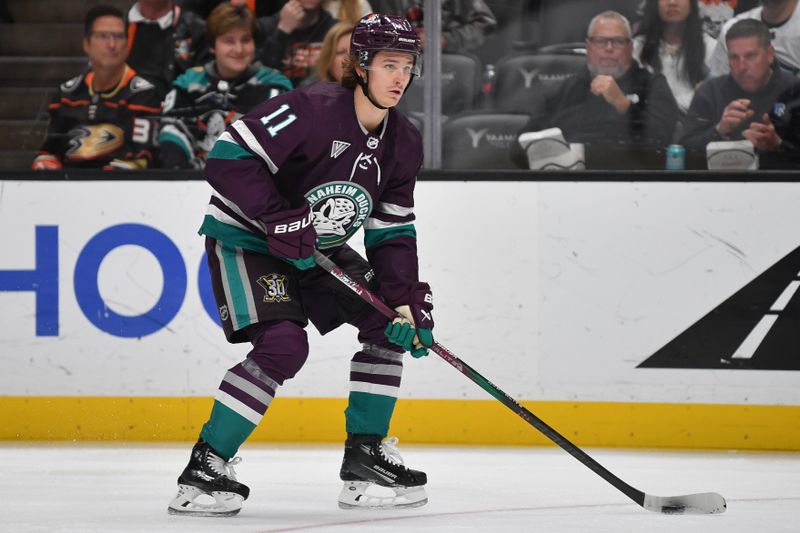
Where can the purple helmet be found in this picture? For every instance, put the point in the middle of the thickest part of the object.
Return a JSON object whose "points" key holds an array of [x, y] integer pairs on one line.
{"points": [[376, 32]]}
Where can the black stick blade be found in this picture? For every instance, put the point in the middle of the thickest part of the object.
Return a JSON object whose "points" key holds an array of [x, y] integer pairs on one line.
{"points": [[705, 503]]}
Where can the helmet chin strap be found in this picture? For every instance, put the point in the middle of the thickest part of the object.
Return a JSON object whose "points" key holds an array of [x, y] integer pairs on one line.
{"points": [[365, 87]]}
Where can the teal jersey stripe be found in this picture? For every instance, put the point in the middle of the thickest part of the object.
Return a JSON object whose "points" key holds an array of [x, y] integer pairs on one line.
{"points": [[229, 150], [236, 285], [232, 235], [373, 237], [167, 136]]}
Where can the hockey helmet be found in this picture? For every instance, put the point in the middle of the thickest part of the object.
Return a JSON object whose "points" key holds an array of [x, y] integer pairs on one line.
{"points": [[375, 33]]}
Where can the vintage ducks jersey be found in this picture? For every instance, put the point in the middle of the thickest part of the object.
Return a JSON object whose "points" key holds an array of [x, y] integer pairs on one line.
{"points": [[89, 129], [307, 145]]}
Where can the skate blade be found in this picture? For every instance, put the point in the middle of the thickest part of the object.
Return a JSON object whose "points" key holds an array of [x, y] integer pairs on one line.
{"points": [[366, 495], [225, 503]]}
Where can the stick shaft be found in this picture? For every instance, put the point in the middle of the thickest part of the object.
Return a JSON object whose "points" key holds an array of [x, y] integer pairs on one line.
{"points": [[633, 493]]}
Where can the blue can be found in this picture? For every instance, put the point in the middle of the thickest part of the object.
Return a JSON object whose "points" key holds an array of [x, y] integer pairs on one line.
{"points": [[676, 155]]}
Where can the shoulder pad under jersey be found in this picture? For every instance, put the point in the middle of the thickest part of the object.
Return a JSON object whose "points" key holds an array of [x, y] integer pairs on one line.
{"points": [[71, 84], [139, 84]]}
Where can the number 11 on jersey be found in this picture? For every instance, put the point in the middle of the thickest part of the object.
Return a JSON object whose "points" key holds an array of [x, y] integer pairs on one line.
{"points": [[276, 128]]}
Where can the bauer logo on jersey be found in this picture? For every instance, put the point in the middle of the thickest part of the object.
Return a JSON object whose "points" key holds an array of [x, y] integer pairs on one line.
{"points": [[96, 141], [339, 209], [275, 286]]}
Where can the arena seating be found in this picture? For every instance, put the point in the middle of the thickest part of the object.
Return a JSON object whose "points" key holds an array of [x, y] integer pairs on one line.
{"points": [[460, 86], [523, 76], [480, 140]]}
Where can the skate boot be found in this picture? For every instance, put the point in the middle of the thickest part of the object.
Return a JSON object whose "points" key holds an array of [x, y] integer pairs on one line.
{"points": [[374, 476], [208, 476]]}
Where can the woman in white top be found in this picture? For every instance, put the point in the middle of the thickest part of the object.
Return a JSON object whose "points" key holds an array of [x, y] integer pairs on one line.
{"points": [[671, 42]]}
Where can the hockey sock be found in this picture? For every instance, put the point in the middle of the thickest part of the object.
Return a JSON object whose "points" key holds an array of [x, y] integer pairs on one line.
{"points": [[375, 374], [369, 413], [241, 401], [226, 430]]}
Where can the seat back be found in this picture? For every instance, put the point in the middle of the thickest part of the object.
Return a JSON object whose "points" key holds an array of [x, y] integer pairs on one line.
{"points": [[480, 140], [521, 78], [460, 86]]}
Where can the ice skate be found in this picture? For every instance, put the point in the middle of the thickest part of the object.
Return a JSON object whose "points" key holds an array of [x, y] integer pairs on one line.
{"points": [[207, 477], [375, 477]]}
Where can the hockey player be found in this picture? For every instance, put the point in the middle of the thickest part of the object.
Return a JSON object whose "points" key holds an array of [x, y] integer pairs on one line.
{"points": [[100, 119], [305, 170], [206, 99]]}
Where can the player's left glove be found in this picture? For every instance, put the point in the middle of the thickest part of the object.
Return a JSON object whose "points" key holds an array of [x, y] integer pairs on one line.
{"points": [[414, 331]]}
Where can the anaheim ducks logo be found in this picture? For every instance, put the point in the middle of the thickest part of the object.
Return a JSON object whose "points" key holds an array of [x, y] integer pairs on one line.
{"points": [[95, 141], [339, 209]]}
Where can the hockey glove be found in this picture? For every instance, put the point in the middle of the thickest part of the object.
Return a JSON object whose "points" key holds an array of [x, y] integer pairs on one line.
{"points": [[414, 331], [291, 236]]}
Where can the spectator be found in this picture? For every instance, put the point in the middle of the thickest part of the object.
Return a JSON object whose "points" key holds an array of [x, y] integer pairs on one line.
{"points": [[164, 41], [204, 100], [294, 38], [99, 119], [714, 13], [465, 23], [614, 101], [735, 106], [672, 43], [335, 49], [349, 10], [783, 20]]}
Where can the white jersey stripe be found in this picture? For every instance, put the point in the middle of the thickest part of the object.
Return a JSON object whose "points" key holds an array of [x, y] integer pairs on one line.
{"points": [[235, 208], [374, 223], [253, 144], [394, 209], [223, 217]]}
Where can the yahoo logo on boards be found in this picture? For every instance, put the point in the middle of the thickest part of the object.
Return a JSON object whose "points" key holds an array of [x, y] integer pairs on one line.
{"points": [[42, 280]]}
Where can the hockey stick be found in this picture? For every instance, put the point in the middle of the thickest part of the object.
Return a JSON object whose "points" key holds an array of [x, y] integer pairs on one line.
{"points": [[704, 503]]}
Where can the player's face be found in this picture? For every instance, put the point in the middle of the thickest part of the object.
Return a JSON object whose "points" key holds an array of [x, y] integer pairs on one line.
{"points": [[234, 51], [389, 75], [342, 51], [107, 46], [609, 50], [673, 11], [750, 63]]}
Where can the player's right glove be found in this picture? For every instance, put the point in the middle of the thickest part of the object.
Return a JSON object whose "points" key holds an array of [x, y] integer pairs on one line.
{"points": [[414, 331], [291, 236]]}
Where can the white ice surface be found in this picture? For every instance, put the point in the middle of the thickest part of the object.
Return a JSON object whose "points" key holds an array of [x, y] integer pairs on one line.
{"points": [[126, 488]]}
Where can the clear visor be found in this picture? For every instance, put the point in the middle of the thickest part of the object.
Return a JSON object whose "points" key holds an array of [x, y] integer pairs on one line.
{"points": [[393, 68]]}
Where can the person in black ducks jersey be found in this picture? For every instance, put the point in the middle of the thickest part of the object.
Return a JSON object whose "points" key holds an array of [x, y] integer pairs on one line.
{"points": [[304, 171], [101, 119], [165, 41], [204, 100]]}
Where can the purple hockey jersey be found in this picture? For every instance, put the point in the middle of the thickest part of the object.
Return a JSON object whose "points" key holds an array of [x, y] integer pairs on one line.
{"points": [[308, 146]]}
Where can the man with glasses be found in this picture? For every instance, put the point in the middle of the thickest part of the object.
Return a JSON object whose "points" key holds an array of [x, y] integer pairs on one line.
{"points": [[99, 119], [613, 104]]}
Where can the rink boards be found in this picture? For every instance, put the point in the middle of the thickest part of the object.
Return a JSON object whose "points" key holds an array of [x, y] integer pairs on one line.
{"points": [[622, 313]]}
